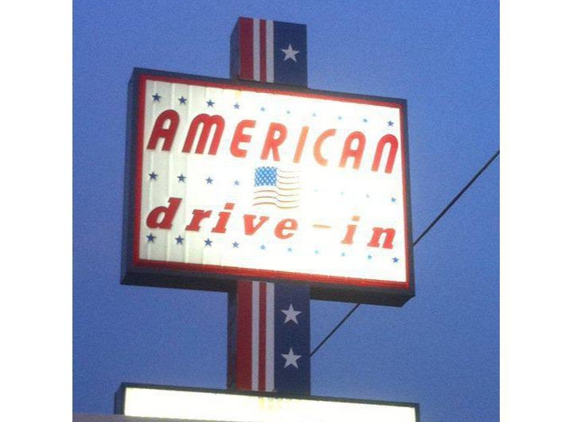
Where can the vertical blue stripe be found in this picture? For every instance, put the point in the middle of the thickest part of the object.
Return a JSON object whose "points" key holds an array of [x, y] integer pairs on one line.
{"points": [[290, 72], [290, 335]]}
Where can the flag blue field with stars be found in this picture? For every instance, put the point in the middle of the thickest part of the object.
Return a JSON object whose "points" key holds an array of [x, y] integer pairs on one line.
{"points": [[292, 338]]}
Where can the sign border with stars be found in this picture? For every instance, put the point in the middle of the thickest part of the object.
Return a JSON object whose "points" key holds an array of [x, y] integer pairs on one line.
{"points": [[173, 275]]}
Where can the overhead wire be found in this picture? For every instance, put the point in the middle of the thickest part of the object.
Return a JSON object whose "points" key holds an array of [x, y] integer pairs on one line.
{"points": [[420, 237]]}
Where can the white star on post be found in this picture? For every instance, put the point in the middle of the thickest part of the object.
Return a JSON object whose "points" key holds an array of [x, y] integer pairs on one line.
{"points": [[291, 359], [291, 314], [290, 53]]}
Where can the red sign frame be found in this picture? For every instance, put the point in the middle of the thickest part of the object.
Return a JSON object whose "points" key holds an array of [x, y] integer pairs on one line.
{"points": [[137, 271]]}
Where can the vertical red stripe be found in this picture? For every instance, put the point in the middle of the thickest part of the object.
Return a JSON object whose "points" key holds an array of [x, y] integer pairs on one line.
{"points": [[262, 335], [263, 50], [244, 337], [246, 48]]}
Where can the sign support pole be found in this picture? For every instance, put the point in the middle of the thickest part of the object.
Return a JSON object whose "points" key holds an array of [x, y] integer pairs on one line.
{"points": [[203, 214], [268, 323], [178, 233]]}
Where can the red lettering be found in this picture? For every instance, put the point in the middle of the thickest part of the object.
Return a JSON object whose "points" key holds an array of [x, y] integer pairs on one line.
{"points": [[355, 153], [388, 238], [283, 226], [276, 135], [224, 216], [162, 217], [206, 122], [393, 142], [198, 216], [350, 230], [239, 137], [318, 145], [161, 131], [300, 145], [250, 227]]}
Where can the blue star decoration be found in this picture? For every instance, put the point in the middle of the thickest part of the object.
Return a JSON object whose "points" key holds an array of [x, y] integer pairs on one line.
{"points": [[339, 117], [393, 199], [236, 106], [182, 100], [289, 249], [263, 247], [395, 260], [181, 178], [313, 114], [156, 97], [369, 256], [210, 103], [263, 109], [150, 238], [209, 180], [236, 183], [208, 242], [235, 245], [316, 252], [390, 123], [152, 176], [343, 254], [179, 240], [365, 120]]}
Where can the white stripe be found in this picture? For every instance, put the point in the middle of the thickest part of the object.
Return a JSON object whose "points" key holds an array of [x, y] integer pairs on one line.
{"points": [[270, 339], [256, 49], [255, 338], [270, 52]]}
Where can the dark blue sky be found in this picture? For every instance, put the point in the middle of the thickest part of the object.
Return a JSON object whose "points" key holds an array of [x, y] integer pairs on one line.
{"points": [[442, 348]]}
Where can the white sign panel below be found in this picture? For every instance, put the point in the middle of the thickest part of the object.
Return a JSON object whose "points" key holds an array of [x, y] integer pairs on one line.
{"points": [[162, 402]]}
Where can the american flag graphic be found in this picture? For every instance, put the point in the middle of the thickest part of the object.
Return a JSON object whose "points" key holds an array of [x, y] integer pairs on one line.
{"points": [[273, 341], [269, 51], [274, 186]]}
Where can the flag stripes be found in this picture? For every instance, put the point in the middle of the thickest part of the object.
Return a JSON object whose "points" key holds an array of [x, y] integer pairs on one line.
{"points": [[256, 344], [262, 50]]}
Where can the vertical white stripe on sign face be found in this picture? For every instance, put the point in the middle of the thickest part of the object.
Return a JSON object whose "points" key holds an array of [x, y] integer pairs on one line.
{"points": [[270, 52], [270, 339], [256, 49], [255, 337]]}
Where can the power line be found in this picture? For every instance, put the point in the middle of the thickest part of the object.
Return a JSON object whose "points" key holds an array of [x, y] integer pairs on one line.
{"points": [[432, 224], [335, 328], [458, 196]]}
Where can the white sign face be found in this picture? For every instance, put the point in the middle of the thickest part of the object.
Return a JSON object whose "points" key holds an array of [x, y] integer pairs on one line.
{"points": [[271, 184], [210, 406]]}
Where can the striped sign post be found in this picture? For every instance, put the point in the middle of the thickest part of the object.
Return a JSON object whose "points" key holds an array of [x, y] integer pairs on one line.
{"points": [[269, 344], [269, 323], [269, 51]]}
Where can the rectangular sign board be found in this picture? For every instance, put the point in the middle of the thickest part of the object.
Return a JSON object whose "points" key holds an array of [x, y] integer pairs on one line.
{"points": [[232, 180], [217, 405]]}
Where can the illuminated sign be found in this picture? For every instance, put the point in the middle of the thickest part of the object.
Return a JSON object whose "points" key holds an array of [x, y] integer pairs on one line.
{"points": [[235, 179], [214, 405]]}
